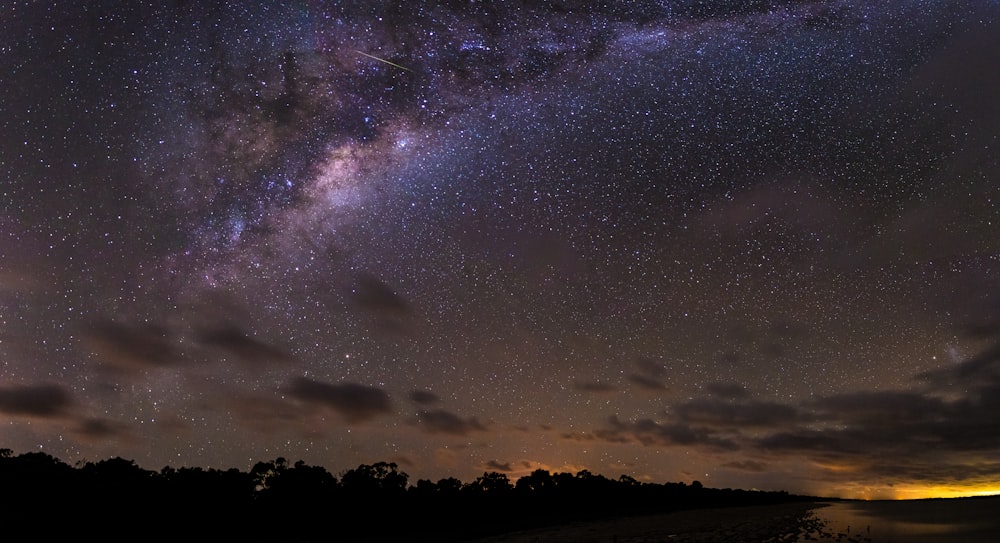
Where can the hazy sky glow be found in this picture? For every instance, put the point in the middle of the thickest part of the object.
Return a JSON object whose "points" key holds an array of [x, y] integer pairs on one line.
{"points": [[755, 244]]}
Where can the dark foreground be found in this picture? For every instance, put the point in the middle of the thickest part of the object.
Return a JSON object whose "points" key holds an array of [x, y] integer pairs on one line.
{"points": [[968, 520], [116, 500], [790, 522]]}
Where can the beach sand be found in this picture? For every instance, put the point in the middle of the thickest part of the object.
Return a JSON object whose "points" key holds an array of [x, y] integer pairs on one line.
{"points": [[785, 523]]}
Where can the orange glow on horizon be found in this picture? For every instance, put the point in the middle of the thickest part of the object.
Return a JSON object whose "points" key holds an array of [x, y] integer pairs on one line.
{"points": [[835, 468], [911, 491], [918, 493]]}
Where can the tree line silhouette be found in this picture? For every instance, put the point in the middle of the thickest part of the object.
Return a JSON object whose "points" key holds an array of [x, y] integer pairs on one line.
{"points": [[116, 499]]}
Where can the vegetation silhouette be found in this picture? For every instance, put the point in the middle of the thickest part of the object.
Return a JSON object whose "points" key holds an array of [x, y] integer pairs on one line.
{"points": [[115, 499]]}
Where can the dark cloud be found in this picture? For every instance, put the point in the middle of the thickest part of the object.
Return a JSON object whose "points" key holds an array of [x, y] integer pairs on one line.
{"points": [[982, 329], [440, 421], [132, 347], [729, 391], [650, 375], [651, 433], [610, 435], [984, 366], [646, 382], [594, 386], [580, 436], [35, 400], [650, 367], [93, 429], [373, 295], [498, 466], [390, 312], [879, 423], [424, 397], [354, 402], [936, 434], [880, 408], [945, 470], [232, 340], [822, 444], [724, 414], [747, 465]]}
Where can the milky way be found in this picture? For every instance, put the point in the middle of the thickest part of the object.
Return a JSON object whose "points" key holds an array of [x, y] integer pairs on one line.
{"points": [[749, 243]]}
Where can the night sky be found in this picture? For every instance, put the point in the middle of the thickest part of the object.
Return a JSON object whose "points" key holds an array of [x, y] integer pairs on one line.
{"points": [[750, 243]]}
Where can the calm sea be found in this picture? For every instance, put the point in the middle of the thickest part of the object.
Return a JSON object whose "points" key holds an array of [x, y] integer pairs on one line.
{"points": [[968, 520]]}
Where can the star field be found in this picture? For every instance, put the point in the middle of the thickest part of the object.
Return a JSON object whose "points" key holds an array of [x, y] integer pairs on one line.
{"points": [[749, 243]]}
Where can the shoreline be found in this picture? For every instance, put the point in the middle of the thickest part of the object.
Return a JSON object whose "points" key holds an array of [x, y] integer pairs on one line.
{"points": [[784, 523]]}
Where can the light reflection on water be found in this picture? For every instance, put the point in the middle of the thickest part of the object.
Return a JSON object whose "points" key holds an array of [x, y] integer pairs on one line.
{"points": [[923, 521]]}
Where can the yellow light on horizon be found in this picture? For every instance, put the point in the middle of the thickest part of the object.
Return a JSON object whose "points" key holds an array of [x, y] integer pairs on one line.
{"points": [[925, 492], [907, 491]]}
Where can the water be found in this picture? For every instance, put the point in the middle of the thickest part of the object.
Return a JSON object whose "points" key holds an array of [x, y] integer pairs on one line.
{"points": [[970, 520]]}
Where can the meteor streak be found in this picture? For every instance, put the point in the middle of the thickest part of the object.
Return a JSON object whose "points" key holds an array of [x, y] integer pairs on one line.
{"points": [[383, 60]]}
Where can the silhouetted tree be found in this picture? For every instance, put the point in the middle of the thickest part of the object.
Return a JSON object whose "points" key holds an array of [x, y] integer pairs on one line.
{"points": [[274, 501], [627, 480], [425, 488], [263, 472], [449, 487], [494, 484], [381, 478], [303, 483], [538, 482]]}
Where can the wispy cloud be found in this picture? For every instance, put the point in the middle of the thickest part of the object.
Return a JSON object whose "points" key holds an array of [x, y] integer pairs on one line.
{"points": [[232, 340], [354, 402], [945, 427], [440, 421], [424, 397], [646, 382], [132, 347], [43, 400], [594, 386], [652, 433]]}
